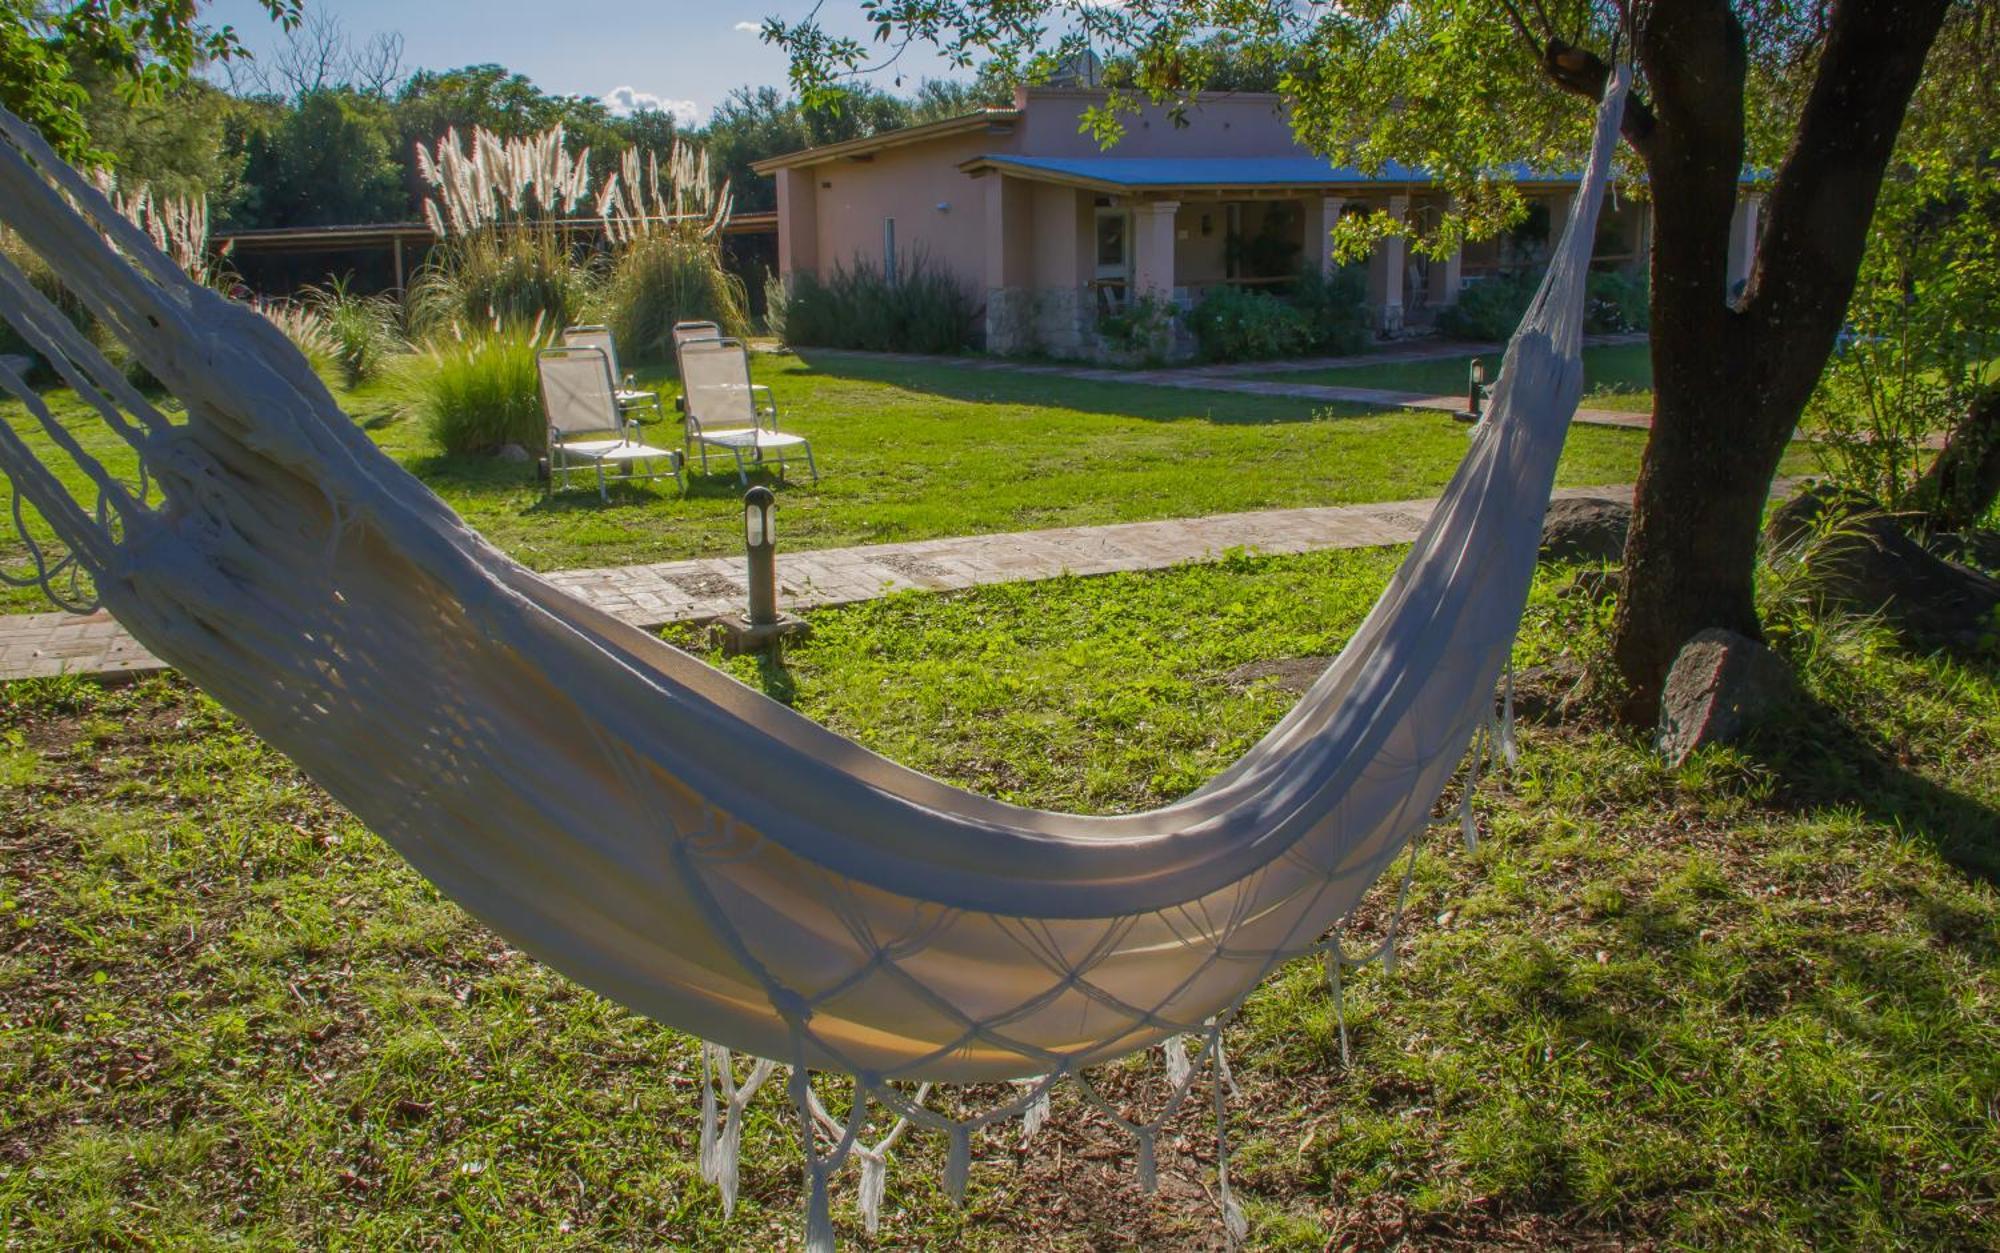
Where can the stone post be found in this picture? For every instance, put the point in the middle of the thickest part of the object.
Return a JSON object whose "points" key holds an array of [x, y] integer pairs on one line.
{"points": [[1385, 273]]}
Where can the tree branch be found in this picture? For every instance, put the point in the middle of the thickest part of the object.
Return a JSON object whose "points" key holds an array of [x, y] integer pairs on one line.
{"points": [[1584, 73]]}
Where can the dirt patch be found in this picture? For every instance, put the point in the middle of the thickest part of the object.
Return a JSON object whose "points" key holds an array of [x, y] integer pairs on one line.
{"points": [[1287, 674]]}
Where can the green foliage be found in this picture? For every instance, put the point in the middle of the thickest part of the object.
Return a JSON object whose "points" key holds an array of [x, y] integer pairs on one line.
{"points": [[1242, 324], [924, 310], [1335, 309], [328, 160], [1922, 340], [478, 391], [146, 47], [665, 277], [361, 331], [513, 277], [1618, 300], [754, 123], [1490, 309]]}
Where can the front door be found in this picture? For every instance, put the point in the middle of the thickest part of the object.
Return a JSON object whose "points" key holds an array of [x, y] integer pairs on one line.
{"points": [[1112, 276]]}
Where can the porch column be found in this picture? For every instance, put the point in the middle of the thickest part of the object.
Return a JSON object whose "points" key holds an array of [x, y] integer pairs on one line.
{"points": [[1385, 273], [798, 224], [1320, 221], [1153, 248], [1452, 270], [1009, 255], [1743, 241]]}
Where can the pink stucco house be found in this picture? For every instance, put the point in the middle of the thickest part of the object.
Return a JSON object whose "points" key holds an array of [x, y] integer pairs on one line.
{"points": [[1025, 209]]}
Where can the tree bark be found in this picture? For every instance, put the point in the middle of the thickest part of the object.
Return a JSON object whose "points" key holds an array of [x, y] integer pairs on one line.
{"points": [[1731, 381], [1959, 489]]}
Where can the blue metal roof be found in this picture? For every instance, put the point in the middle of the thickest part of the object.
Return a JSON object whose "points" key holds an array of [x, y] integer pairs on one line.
{"points": [[1164, 172]]}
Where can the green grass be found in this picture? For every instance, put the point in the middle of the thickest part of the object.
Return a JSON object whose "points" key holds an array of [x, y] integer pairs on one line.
{"points": [[1754, 1002], [1615, 377], [918, 452]]}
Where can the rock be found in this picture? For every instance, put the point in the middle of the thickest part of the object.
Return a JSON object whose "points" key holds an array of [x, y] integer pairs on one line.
{"points": [[1550, 692], [1722, 687], [1863, 562], [1978, 549], [514, 454], [1588, 528], [17, 364]]}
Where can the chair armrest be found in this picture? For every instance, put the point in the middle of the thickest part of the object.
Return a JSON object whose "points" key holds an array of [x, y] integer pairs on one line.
{"points": [[769, 408]]}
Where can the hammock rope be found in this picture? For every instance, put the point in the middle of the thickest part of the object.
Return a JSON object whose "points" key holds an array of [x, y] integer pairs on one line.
{"points": [[700, 854]]}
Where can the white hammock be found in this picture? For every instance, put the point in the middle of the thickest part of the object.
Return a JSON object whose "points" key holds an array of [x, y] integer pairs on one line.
{"points": [[605, 801]]}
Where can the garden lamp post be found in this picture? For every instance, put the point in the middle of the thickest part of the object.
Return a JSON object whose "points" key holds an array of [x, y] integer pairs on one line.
{"points": [[1475, 392], [764, 626], [760, 541]]}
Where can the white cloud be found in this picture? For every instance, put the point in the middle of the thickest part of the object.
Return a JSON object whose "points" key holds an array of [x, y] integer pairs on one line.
{"points": [[625, 101], [748, 28]]}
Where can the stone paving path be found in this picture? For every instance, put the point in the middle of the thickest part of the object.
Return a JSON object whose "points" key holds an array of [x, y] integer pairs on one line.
{"points": [[1233, 378], [653, 596]]}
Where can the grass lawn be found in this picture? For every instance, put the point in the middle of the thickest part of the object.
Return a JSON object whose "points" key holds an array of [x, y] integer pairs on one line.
{"points": [[1616, 377], [1751, 1003], [917, 452]]}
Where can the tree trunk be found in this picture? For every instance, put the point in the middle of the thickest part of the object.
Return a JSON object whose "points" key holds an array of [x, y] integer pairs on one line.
{"points": [[1959, 489], [1730, 382]]}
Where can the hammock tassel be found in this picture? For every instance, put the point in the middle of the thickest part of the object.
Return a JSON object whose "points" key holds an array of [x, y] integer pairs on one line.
{"points": [[1334, 963], [1234, 1222], [958, 1162], [1147, 1169], [1178, 1066], [819, 1210], [874, 1182], [1037, 1111], [1510, 748]]}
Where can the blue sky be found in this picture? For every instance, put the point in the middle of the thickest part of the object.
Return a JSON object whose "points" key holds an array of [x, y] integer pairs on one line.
{"points": [[682, 55]]}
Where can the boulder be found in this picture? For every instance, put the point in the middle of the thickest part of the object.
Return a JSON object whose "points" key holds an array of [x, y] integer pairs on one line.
{"points": [[514, 454], [1721, 688], [17, 364], [1863, 562], [1585, 528]]}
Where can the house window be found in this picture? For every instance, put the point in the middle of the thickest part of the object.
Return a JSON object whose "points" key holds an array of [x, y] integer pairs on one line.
{"points": [[889, 249]]}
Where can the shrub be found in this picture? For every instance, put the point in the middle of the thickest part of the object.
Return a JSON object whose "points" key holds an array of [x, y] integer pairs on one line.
{"points": [[1491, 308], [1335, 309], [479, 391], [1145, 328], [925, 310], [776, 301], [1238, 324], [667, 277], [513, 278], [360, 330], [1618, 300]]}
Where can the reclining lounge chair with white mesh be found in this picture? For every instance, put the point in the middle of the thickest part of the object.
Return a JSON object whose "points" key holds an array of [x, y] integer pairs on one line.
{"points": [[586, 426], [721, 408], [633, 401]]}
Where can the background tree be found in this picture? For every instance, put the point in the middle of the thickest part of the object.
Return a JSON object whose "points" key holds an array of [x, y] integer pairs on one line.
{"points": [[758, 122], [146, 46], [327, 160], [1813, 90]]}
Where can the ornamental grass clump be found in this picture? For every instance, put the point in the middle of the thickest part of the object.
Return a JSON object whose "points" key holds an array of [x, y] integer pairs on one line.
{"points": [[665, 233], [362, 331], [521, 231], [477, 392]]}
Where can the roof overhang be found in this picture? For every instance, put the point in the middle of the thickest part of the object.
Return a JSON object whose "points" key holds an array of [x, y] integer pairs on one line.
{"points": [[989, 121]]}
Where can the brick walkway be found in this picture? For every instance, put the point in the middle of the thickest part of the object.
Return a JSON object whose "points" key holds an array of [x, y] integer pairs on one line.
{"points": [[695, 591], [1239, 378]]}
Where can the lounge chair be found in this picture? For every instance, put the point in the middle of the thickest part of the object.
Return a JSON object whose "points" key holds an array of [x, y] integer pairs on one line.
{"points": [[721, 408], [633, 400], [587, 427]]}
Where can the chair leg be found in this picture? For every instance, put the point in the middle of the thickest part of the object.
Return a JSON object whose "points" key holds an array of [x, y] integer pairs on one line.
{"points": [[601, 493], [742, 478], [812, 465]]}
